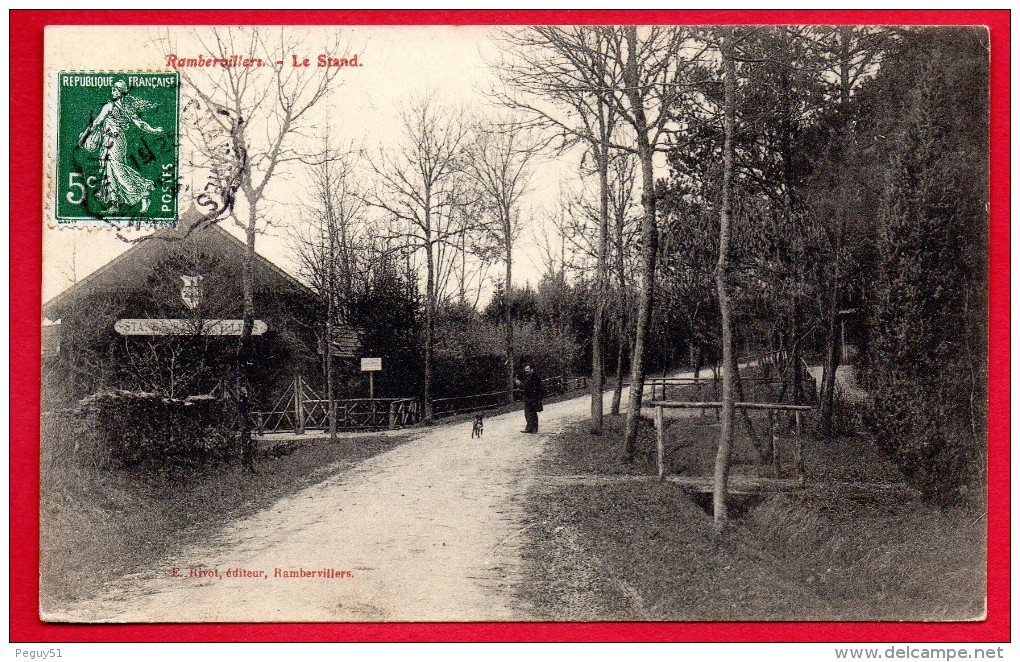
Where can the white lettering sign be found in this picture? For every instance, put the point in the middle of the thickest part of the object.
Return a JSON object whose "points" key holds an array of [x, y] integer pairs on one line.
{"points": [[170, 327], [371, 365]]}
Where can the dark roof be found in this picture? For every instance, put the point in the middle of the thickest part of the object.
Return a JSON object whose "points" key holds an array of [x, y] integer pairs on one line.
{"points": [[131, 269]]}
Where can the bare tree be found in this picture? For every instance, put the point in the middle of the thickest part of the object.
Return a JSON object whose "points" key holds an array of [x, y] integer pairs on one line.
{"points": [[622, 178], [641, 75], [579, 228], [500, 164], [423, 191], [264, 110], [469, 272], [571, 69], [327, 251], [660, 65]]}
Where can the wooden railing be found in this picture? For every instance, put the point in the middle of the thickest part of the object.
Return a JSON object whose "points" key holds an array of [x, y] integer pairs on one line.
{"points": [[442, 407], [755, 389], [771, 407], [300, 408], [352, 414]]}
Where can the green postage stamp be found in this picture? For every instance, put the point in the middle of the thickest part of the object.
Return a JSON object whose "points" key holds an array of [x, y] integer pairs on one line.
{"points": [[117, 151]]}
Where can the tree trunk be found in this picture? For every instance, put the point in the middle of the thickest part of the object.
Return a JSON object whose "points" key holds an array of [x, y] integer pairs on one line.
{"points": [[798, 374], [722, 458], [598, 373], [430, 320], [598, 377], [330, 293], [508, 318], [621, 316], [827, 392], [244, 342], [649, 236], [618, 385]]}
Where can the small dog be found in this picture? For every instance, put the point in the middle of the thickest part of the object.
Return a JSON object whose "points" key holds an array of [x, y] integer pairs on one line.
{"points": [[478, 429]]}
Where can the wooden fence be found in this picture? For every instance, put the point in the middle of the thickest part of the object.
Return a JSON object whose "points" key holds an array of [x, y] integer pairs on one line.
{"points": [[443, 407], [755, 389], [300, 408]]}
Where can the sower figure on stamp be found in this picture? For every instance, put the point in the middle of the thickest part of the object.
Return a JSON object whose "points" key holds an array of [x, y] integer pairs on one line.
{"points": [[120, 184], [533, 394]]}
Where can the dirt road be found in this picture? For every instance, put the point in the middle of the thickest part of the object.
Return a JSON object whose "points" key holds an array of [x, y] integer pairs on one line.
{"points": [[429, 531]]}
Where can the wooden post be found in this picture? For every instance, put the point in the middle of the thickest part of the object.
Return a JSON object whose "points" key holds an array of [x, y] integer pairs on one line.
{"points": [[371, 387], [801, 474], [393, 415], [773, 419], [299, 404], [660, 433]]}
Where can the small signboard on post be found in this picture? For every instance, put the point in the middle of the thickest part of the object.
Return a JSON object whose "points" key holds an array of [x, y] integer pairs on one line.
{"points": [[371, 366], [345, 341]]}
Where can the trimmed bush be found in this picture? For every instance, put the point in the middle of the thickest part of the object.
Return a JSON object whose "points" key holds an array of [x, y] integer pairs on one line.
{"points": [[137, 429]]}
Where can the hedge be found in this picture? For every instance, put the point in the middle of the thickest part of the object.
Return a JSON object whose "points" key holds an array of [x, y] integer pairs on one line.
{"points": [[135, 429]]}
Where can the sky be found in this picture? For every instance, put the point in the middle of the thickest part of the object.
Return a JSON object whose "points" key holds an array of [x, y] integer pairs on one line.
{"points": [[396, 64]]}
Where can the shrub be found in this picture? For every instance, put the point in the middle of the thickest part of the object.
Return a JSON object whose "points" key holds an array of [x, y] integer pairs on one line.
{"points": [[926, 433], [926, 310], [135, 429]]}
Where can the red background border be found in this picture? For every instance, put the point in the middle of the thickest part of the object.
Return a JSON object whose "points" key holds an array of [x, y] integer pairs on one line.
{"points": [[26, 69]]}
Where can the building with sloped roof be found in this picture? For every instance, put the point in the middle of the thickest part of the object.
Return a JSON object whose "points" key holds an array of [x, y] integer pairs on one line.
{"points": [[164, 316]]}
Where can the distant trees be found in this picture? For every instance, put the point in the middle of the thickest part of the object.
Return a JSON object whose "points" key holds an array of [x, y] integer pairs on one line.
{"points": [[613, 88], [500, 162], [422, 189], [331, 250], [551, 322], [563, 80], [387, 307]]}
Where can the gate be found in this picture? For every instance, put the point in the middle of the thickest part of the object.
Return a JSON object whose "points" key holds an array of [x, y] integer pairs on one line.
{"points": [[300, 408]]}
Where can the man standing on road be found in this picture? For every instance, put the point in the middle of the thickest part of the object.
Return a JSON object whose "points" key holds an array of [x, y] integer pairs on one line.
{"points": [[533, 394]]}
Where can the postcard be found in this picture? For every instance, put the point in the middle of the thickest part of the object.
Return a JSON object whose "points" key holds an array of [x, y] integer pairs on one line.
{"points": [[573, 323]]}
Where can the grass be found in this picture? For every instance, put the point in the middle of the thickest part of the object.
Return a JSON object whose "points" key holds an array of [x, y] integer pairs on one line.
{"points": [[96, 525], [840, 549]]}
